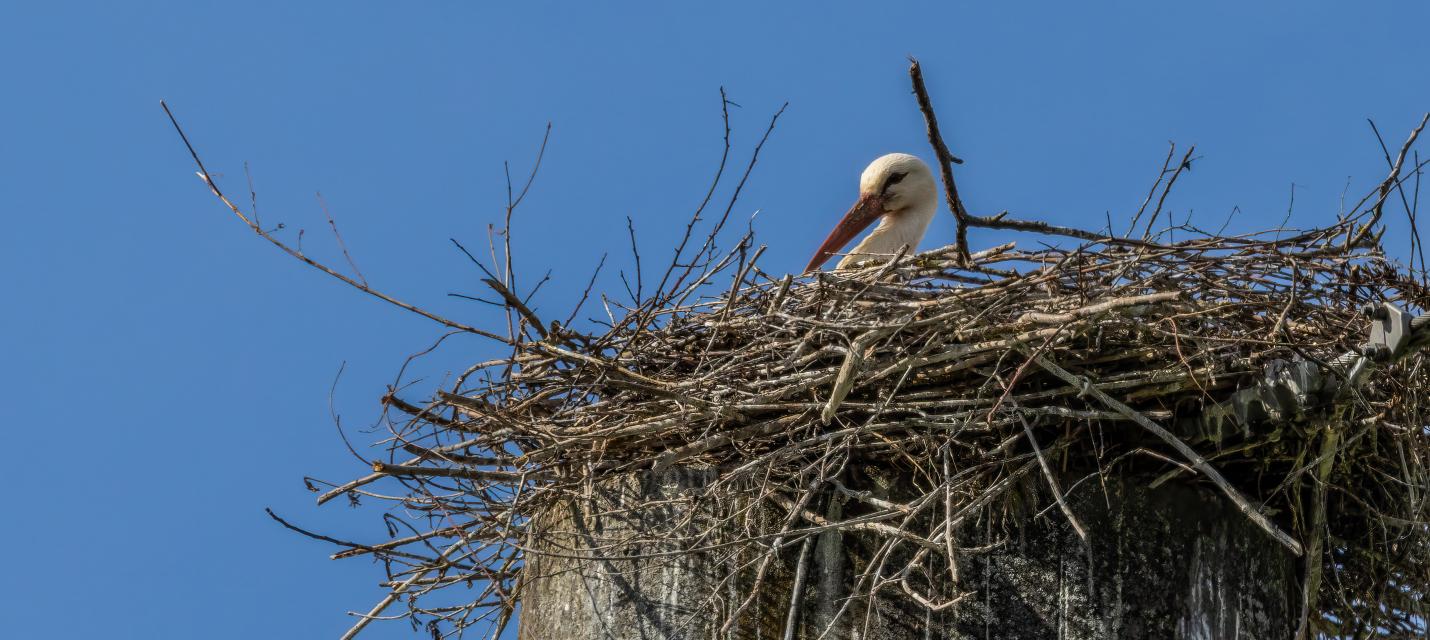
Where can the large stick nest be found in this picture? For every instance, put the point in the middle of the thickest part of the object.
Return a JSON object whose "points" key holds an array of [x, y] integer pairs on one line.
{"points": [[969, 377], [960, 375]]}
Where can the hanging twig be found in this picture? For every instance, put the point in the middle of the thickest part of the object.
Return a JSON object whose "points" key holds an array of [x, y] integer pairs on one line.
{"points": [[1196, 460]]}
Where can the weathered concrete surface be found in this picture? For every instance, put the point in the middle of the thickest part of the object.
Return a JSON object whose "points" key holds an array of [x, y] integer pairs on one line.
{"points": [[1175, 562], [647, 589]]}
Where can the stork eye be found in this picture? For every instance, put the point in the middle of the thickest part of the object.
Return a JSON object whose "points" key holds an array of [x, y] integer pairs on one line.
{"points": [[893, 180]]}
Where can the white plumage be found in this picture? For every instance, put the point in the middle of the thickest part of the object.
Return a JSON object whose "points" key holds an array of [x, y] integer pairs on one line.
{"points": [[898, 190]]}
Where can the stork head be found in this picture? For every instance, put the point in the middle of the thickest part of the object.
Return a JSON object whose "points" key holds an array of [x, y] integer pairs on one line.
{"points": [[894, 186]]}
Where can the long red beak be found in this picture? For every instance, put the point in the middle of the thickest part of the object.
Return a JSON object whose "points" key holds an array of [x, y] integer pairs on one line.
{"points": [[860, 216]]}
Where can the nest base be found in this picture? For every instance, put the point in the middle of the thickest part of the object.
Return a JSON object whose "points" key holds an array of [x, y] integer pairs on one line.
{"points": [[1169, 562]]}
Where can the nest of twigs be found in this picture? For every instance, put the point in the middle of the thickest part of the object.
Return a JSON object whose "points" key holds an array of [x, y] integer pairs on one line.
{"points": [[968, 376], [992, 362]]}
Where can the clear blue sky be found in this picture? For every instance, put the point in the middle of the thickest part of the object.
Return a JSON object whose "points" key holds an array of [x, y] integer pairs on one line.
{"points": [[166, 374]]}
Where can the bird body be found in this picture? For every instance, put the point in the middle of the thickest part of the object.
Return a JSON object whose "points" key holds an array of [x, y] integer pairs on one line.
{"points": [[897, 190]]}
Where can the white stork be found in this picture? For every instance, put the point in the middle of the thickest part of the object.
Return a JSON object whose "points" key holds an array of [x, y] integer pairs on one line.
{"points": [[899, 191]]}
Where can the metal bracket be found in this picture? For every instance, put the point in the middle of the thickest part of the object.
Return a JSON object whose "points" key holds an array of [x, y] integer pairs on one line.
{"points": [[1289, 388], [1389, 331], [1285, 390]]}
